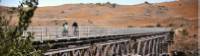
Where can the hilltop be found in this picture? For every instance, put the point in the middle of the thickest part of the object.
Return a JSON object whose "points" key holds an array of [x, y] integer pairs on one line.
{"points": [[121, 15]]}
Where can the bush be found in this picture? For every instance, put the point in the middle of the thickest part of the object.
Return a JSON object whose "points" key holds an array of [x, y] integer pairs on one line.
{"points": [[184, 32], [130, 26], [158, 25], [149, 26], [99, 4], [12, 40], [108, 3], [62, 12], [114, 5], [146, 2], [171, 25]]}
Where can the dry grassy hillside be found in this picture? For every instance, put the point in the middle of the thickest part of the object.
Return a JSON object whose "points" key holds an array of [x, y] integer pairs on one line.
{"points": [[181, 15], [122, 15]]}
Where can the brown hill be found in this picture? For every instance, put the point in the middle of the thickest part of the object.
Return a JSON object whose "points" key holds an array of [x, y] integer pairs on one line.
{"points": [[182, 14], [121, 15]]}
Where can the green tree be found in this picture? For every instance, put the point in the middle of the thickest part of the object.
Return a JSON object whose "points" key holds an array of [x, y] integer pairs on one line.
{"points": [[12, 40], [108, 3], [114, 5]]}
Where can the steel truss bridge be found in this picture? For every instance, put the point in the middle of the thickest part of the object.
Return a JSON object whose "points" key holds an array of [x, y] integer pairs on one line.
{"points": [[93, 41]]}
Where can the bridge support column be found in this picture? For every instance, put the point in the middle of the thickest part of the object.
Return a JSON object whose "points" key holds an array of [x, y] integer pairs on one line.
{"points": [[144, 48], [129, 47], [118, 50], [132, 47], [121, 49], [78, 53], [105, 53], [157, 47], [161, 46], [138, 47], [154, 44], [115, 50], [70, 53], [150, 47], [99, 50], [86, 52], [64, 54], [112, 50], [125, 48]]}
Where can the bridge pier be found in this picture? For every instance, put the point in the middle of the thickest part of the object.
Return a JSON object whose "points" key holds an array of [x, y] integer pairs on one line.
{"points": [[149, 48], [138, 46], [144, 48]]}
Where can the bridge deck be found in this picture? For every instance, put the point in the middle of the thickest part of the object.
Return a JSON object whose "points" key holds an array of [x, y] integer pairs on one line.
{"points": [[55, 32], [100, 38]]}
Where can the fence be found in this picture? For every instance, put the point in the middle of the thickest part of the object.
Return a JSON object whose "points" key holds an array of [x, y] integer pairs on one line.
{"points": [[52, 32]]}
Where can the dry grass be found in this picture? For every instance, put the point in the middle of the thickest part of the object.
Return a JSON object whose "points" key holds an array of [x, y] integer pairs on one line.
{"points": [[182, 14]]}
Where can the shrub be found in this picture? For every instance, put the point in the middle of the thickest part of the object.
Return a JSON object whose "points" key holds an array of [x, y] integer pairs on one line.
{"points": [[62, 12], [146, 2], [99, 4], [158, 25], [130, 26], [170, 25], [108, 3], [184, 32], [114, 5], [12, 40]]}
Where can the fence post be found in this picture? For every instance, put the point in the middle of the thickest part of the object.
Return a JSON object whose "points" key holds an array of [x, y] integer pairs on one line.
{"points": [[41, 34]]}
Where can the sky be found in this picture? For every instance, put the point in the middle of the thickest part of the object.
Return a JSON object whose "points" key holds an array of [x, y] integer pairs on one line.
{"points": [[42, 3]]}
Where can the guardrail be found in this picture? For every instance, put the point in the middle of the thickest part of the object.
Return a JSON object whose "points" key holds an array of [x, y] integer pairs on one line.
{"points": [[52, 32]]}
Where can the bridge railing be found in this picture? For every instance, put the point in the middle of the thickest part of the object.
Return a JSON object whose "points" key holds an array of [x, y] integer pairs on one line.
{"points": [[52, 32]]}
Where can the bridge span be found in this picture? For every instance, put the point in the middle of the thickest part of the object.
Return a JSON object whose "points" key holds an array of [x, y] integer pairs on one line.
{"points": [[104, 42]]}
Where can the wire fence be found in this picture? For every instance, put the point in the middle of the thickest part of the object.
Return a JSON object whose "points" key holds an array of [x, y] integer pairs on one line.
{"points": [[52, 32]]}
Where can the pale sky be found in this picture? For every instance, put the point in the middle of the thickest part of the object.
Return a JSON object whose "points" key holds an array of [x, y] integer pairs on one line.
{"points": [[42, 3]]}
